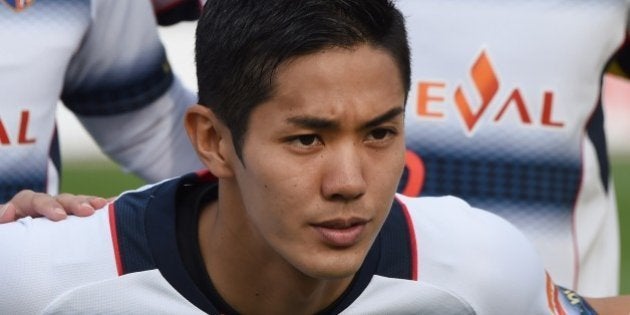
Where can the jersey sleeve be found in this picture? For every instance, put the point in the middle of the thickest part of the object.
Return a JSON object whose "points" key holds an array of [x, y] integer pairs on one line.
{"points": [[150, 142], [42, 259], [123, 91], [483, 259], [121, 65]]}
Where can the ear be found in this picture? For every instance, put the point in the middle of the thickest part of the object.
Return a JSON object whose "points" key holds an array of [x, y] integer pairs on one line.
{"points": [[211, 139]]}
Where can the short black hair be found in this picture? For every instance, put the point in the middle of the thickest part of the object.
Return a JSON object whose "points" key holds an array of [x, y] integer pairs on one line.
{"points": [[241, 43]]}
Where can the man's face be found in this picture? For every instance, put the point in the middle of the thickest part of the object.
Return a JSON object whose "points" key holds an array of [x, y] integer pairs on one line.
{"points": [[322, 159]]}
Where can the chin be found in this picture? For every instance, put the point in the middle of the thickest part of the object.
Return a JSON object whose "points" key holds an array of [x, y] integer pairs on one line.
{"points": [[336, 266]]}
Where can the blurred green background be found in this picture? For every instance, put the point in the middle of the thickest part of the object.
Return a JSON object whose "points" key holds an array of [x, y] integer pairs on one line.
{"points": [[621, 173], [106, 179]]}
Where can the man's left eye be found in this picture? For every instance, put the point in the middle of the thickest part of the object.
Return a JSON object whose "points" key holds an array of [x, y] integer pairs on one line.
{"points": [[307, 140], [380, 134]]}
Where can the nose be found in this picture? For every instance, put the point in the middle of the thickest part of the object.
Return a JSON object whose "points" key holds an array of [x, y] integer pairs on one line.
{"points": [[344, 178]]}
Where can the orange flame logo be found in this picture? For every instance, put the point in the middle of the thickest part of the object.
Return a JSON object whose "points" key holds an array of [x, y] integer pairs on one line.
{"points": [[486, 83]]}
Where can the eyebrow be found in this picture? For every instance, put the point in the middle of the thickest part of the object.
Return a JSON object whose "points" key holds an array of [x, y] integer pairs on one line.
{"points": [[322, 123]]}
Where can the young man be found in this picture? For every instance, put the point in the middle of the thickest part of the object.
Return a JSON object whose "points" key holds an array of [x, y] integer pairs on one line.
{"points": [[302, 132], [545, 98]]}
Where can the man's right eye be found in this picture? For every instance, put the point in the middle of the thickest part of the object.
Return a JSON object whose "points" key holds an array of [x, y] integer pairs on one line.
{"points": [[305, 142]]}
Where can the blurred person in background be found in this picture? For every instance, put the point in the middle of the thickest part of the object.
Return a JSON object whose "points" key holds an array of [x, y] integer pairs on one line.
{"points": [[105, 61], [505, 112]]}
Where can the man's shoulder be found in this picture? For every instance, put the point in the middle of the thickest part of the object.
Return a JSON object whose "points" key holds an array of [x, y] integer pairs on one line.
{"points": [[473, 253], [29, 234], [451, 220], [45, 258], [449, 210], [158, 195], [139, 292], [385, 295], [139, 217], [50, 260]]}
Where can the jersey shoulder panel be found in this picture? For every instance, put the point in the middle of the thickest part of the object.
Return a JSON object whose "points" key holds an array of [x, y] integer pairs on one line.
{"points": [[130, 211], [134, 293], [398, 296], [477, 255], [45, 259]]}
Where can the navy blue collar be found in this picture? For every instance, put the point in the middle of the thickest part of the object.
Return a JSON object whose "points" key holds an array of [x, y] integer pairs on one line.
{"points": [[157, 228]]}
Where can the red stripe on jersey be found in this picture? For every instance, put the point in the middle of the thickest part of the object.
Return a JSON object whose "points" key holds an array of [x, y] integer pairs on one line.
{"points": [[205, 175], [412, 242], [551, 291], [114, 232], [552, 297]]}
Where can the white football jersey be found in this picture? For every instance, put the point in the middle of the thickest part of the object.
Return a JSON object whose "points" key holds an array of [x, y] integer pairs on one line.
{"points": [[505, 112], [432, 256], [105, 61]]}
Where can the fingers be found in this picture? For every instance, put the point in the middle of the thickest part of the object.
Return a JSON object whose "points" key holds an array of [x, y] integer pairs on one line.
{"points": [[75, 204], [80, 205], [7, 213], [30, 203], [98, 202]]}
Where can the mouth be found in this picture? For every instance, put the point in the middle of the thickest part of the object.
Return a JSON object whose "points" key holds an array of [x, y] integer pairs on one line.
{"points": [[341, 233]]}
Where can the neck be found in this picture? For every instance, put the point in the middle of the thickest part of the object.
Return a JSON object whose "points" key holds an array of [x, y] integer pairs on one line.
{"points": [[248, 274]]}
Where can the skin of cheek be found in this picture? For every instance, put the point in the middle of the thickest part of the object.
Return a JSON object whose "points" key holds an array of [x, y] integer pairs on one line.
{"points": [[290, 197]]}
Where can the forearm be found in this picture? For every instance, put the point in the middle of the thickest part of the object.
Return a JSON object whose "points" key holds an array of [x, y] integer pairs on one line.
{"points": [[150, 142]]}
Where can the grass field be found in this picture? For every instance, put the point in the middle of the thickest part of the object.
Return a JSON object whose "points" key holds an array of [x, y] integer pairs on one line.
{"points": [[105, 179], [621, 169]]}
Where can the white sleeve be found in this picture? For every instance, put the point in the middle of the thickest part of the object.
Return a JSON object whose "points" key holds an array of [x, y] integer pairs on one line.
{"points": [[151, 141], [121, 64], [123, 91], [144, 292], [478, 256], [42, 259]]}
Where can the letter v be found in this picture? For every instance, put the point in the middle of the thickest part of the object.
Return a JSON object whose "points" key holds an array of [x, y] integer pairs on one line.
{"points": [[486, 83]]}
